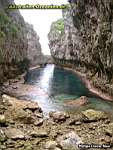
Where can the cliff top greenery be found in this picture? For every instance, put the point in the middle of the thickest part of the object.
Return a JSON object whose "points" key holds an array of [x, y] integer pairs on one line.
{"points": [[56, 30], [7, 26], [58, 25]]}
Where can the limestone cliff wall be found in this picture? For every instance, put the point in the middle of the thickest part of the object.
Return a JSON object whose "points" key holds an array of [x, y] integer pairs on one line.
{"points": [[87, 42], [18, 43], [34, 51]]}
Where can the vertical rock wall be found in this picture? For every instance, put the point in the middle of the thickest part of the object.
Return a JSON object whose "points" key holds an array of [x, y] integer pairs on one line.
{"points": [[18, 43], [87, 42]]}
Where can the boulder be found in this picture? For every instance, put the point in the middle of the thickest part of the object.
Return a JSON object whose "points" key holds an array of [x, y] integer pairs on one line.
{"points": [[20, 103], [22, 116], [83, 100], [94, 115], [7, 100], [58, 116], [2, 120], [50, 145], [33, 106], [40, 133], [14, 134], [77, 119], [69, 141], [22, 110]]}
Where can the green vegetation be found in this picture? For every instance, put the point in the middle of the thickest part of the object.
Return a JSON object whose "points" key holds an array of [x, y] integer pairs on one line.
{"points": [[7, 26], [58, 25], [23, 65], [67, 6], [2, 35]]}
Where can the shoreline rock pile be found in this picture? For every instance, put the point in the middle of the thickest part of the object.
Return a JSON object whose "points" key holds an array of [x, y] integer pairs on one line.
{"points": [[23, 127]]}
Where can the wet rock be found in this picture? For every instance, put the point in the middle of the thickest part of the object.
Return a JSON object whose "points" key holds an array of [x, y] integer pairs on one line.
{"points": [[58, 116], [15, 134], [50, 145], [2, 120], [69, 141], [83, 100], [109, 129], [94, 115]]}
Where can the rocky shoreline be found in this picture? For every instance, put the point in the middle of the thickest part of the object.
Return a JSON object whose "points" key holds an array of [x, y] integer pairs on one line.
{"points": [[89, 84], [23, 127]]}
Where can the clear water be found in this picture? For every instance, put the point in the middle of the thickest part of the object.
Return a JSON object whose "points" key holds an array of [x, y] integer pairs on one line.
{"points": [[60, 85]]}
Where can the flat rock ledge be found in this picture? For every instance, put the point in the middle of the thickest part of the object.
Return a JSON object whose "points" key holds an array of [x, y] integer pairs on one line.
{"points": [[23, 127]]}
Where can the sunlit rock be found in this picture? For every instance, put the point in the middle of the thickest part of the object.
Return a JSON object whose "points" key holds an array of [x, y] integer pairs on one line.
{"points": [[2, 120], [94, 115], [15, 134], [50, 145], [58, 116], [83, 100], [69, 141]]}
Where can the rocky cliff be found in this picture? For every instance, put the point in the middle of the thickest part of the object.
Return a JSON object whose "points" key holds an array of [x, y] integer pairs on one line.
{"points": [[34, 51], [87, 41], [16, 47]]}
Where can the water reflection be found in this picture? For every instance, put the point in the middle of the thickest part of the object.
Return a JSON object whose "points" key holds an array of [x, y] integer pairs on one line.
{"points": [[45, 79], [58, 85]]}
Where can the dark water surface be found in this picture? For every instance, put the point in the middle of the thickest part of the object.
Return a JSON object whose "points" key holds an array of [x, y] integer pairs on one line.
{"points": [[60, 85]]}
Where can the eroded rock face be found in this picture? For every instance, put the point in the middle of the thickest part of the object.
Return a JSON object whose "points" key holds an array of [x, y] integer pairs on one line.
{"points": [[34, 51], [87, 41], [19, 43]]}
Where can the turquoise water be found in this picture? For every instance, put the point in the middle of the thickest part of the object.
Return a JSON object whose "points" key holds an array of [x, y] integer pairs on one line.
{"points": [[60, 85]]}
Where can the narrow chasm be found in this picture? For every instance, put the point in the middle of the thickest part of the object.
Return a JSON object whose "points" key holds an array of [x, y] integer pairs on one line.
{"points": [[62, 101]]}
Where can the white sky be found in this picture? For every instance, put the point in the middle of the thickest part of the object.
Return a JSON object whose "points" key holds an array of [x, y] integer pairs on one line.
{"points": [[42, 19]]}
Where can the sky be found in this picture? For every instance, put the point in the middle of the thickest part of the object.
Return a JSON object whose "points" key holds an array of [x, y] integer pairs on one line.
{"points": [[42, 19]]}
